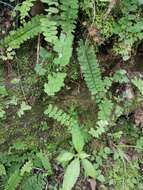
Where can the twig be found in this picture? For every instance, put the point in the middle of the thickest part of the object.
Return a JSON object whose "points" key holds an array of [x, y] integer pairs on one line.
{"points": [[38, 49], [7, 4], [46, 188]]}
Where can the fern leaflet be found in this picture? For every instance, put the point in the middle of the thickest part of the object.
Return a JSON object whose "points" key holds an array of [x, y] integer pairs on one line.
{"points": [[59, 115]]}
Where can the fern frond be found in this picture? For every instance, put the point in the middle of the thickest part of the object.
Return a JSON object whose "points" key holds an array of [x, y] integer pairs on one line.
{"points": [[55, 83], [138, 82], [25, 32], [69, 12], [24, 8], [27, 167], [35, 182], [13, 181], [105, 110], [64, 49], [59, 115], [49, 24], [49, 29], [90, 69]]}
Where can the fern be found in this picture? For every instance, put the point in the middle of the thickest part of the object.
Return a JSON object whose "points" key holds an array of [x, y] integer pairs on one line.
{"points": [[105, 110], [64, 49], [34, 183], [49, 23], [69, 12], [26, 168], [28, 31], [90, 68], [49, 29], [139, 84], [59, 115], [24, 8], [55, 83], [13, 181]]}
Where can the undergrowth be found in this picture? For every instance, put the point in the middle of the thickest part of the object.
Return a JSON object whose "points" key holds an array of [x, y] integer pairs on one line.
{"points": [[48, 140]]}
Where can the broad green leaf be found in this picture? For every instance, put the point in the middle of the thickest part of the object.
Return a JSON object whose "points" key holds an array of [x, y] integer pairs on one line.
{"points": [[71, 174], [65, 157], [83, 155], [89, 168], [77, 138]]}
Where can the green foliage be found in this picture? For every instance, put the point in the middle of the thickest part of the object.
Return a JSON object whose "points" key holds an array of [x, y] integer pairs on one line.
{"points": [[22, 34], [77, 138], [34, 182], [63, 47], [71, 174], [2, 170], [24, 8], [55, 83], [65, 157], [45, 162], [89, 169], [90, 68], [24, 107], [86, 120], [128, 28], [49, 29], [27, 167], [139, 84], [13, 181], [69, 12], [59, 115]]}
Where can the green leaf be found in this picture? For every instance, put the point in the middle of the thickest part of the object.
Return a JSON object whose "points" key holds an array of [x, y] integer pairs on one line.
{"points": [[55, 83], [71, 174], [65, 156], [77, 138], [2, 170], [89, 169], [83, 155]]}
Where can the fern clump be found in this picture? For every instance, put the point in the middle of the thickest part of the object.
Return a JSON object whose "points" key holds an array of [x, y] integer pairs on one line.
{"points": [[59, 115]]}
